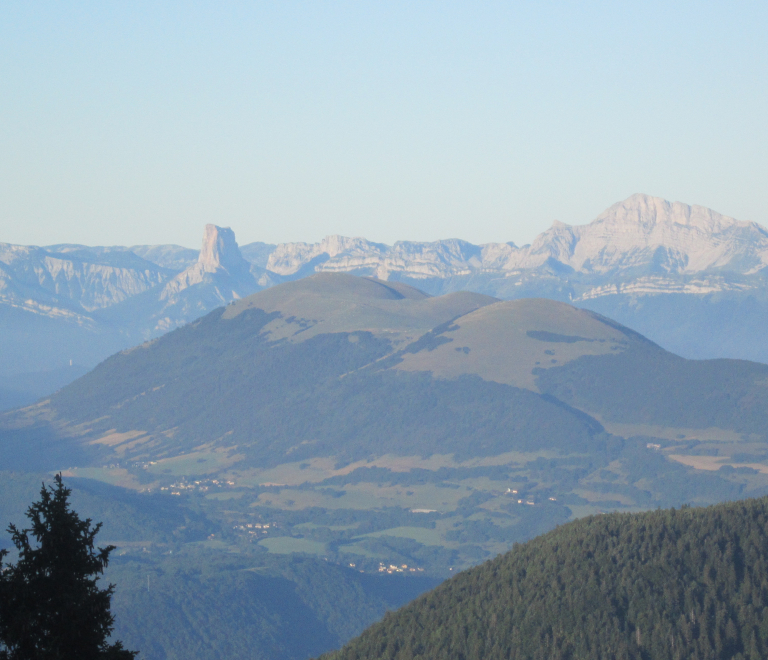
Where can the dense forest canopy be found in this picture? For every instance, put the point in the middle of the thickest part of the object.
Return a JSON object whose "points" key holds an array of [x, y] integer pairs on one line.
{"points": [[667, 584]]}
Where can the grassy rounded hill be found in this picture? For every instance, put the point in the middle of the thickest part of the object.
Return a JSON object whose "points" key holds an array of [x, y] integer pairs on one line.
{"points": [[667, 584], [392, 437], [373, 425]]}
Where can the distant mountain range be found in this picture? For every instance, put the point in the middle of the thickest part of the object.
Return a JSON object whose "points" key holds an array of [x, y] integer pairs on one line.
{"points": [[687, 277], [640, 237]]}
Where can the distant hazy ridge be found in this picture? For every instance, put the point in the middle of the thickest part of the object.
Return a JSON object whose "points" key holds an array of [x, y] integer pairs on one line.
{"points": [[685, 276]]}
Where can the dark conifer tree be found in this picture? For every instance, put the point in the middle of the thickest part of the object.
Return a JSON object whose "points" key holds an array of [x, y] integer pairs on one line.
{"points": [[51, 606]]}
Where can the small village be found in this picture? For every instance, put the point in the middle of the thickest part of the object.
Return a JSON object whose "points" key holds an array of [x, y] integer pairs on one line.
{"points": [[200, 486], [392, 568], [254, 529]]}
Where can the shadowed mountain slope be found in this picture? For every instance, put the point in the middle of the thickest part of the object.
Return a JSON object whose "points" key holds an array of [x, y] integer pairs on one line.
{"points": [[335, 365]]}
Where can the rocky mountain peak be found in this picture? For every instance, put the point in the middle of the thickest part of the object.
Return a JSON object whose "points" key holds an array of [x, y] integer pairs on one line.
{"points": [[640, 234], [220, 251], [220, 268], [653, 234], [650, 213]]}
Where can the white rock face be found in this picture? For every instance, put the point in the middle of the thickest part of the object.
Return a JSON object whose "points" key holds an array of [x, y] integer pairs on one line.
{"points": [[69, 279], [220, 256], [220, 251], [220, 275], [622, 263], [70, 282], [641, 235], [643, 245], [339, 254], [289, 258], [649, 232]]}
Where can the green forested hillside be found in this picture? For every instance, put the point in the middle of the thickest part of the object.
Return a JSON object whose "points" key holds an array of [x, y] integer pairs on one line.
{"points": [[210, 605], [179, 596], [669, 584], [379, 426], [374, 433], [351, 368], [725, 394]]}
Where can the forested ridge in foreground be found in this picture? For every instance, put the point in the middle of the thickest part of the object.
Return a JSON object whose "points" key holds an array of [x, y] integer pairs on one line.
{"points": [[685, 583]]}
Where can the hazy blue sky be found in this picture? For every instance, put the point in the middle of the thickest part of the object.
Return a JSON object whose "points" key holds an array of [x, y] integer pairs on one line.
{"points": [[138, 122]]}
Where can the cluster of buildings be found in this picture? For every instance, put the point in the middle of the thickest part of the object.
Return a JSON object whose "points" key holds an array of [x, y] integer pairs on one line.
{"points": [[530, 502], [253, 529], [202, 486], [403, 568]]}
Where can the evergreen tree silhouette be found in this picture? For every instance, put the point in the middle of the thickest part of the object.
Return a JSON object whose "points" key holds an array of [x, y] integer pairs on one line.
{"points": [[51, 607]]}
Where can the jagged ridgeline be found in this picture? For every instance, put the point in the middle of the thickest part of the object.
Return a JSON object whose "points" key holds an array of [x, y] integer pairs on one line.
{"points": [[669, 584]]}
